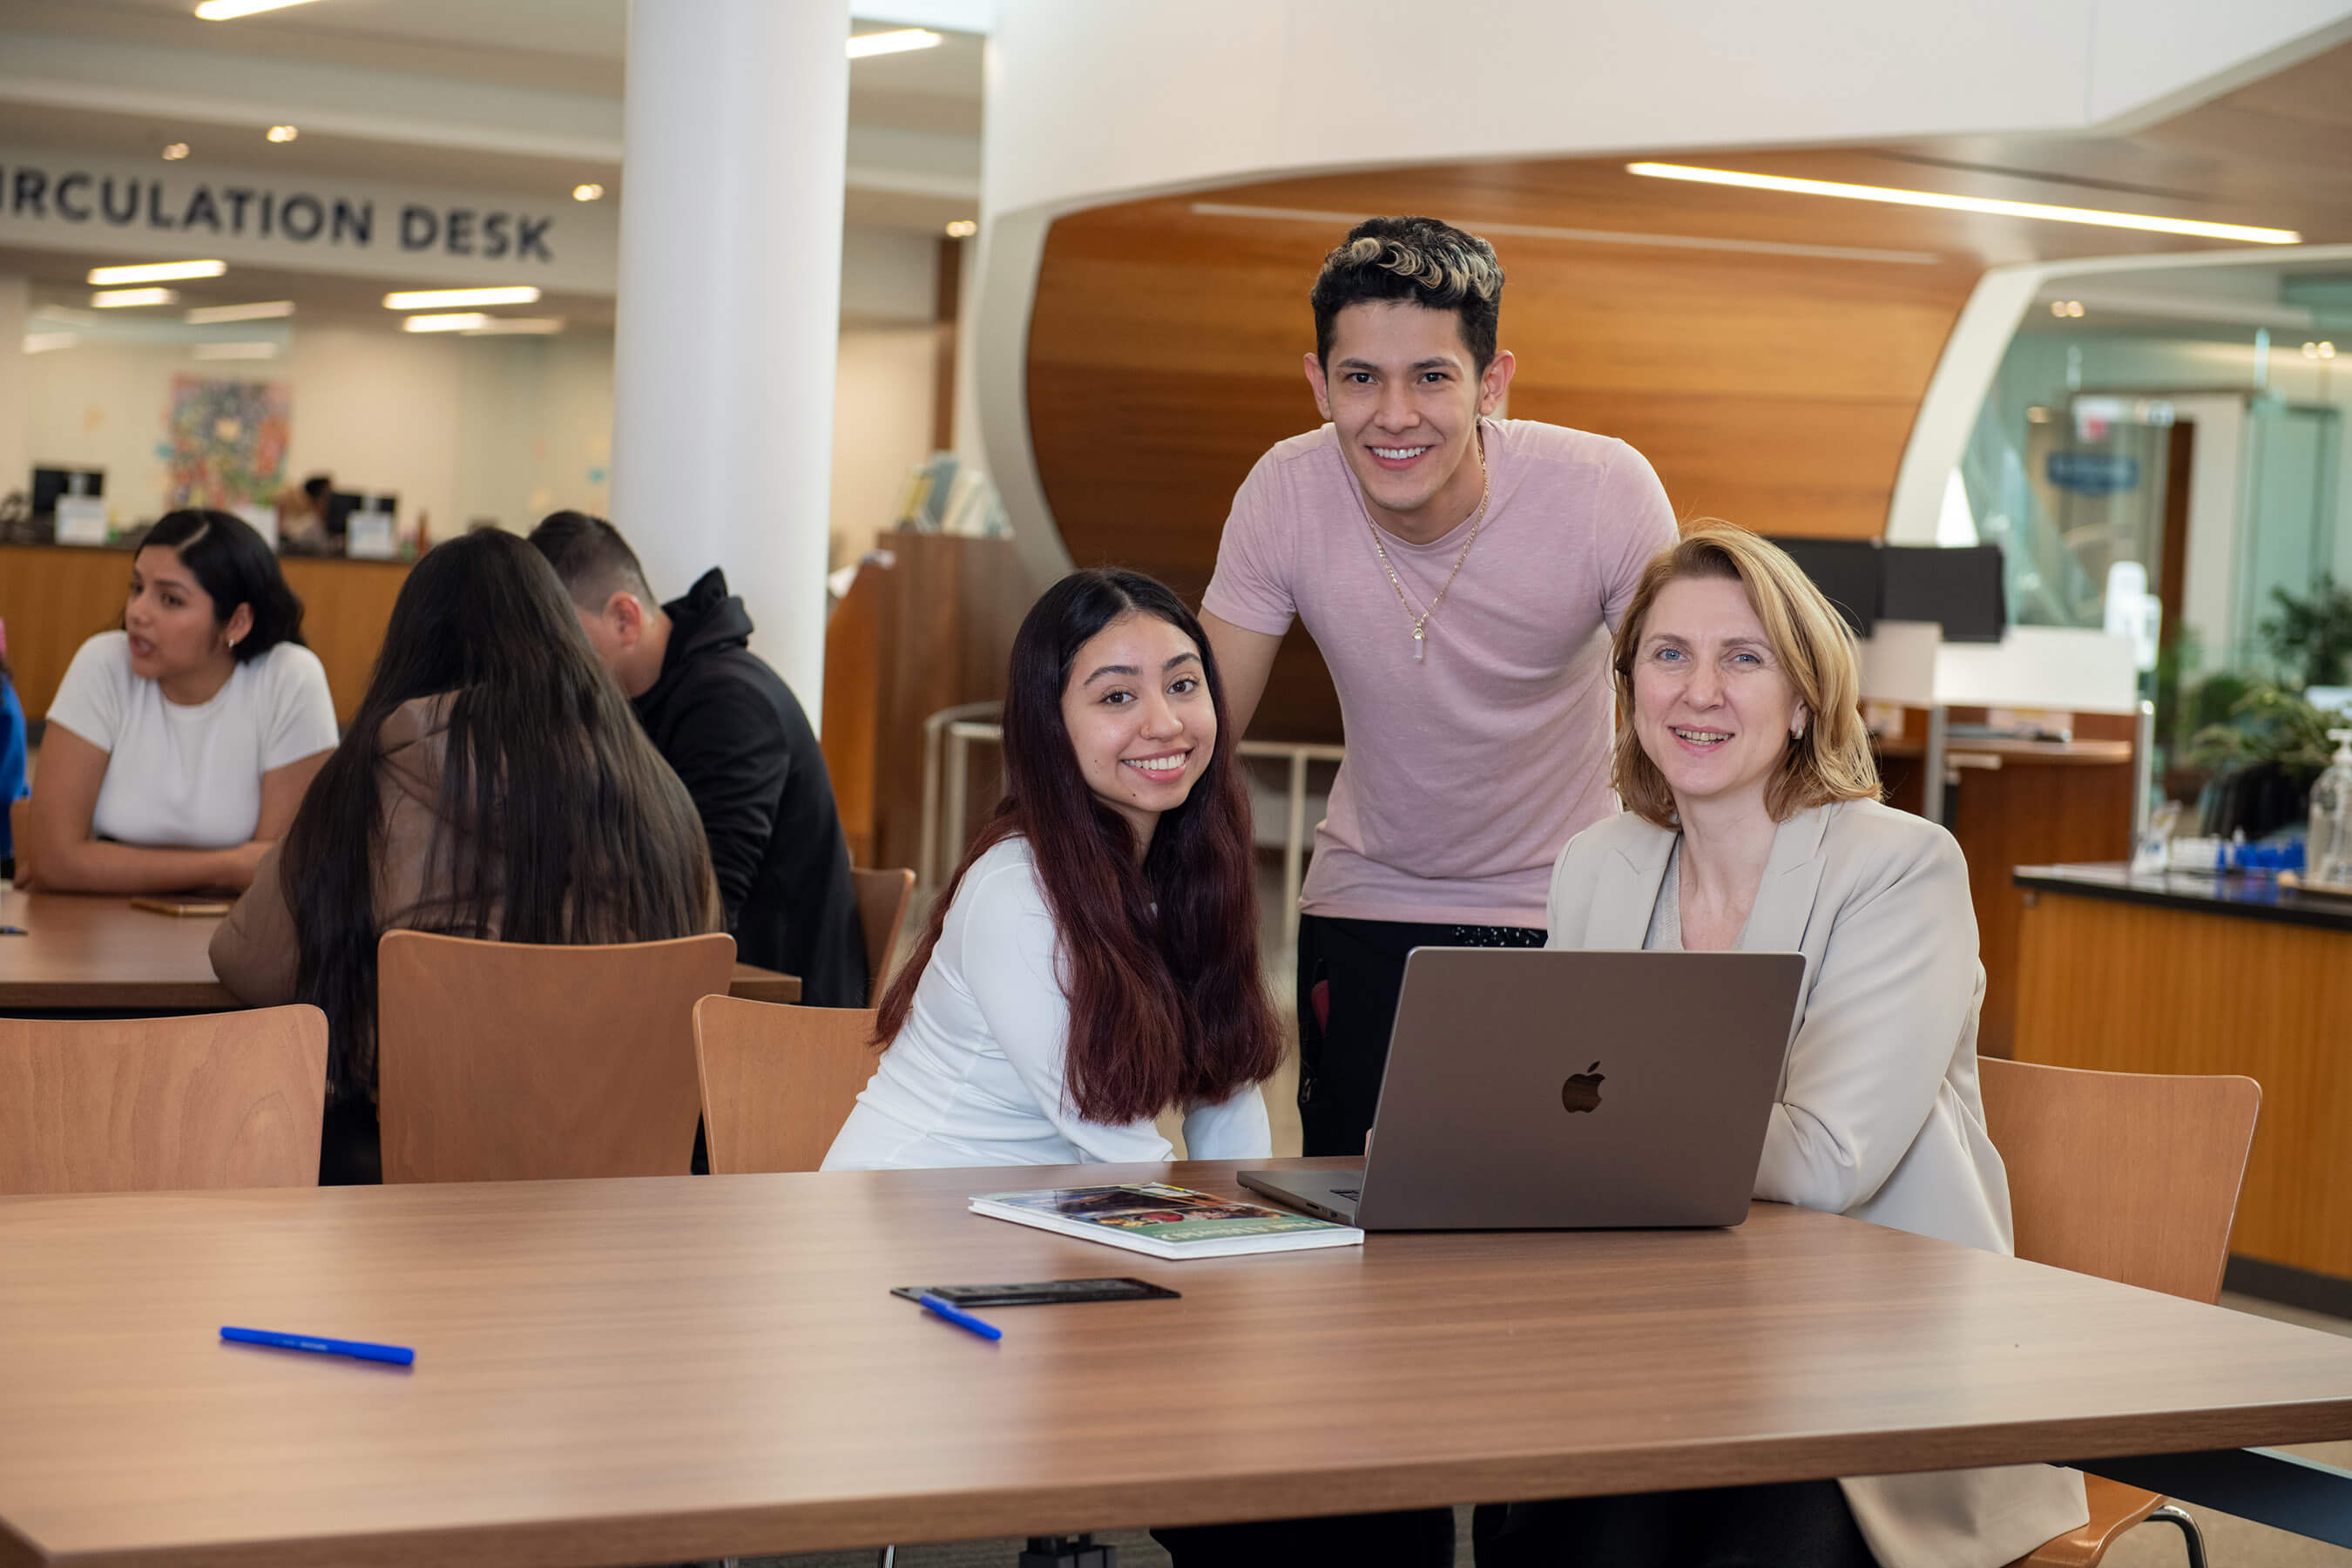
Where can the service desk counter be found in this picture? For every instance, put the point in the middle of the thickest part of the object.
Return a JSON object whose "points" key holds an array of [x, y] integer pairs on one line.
{"points": [[55, 596], [2189, 973]]}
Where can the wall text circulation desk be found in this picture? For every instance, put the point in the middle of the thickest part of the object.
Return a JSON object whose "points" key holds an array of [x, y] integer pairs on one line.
{"points": [[2183, 972]]}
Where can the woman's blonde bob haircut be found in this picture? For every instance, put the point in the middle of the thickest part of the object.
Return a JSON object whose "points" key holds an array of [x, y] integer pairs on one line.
{"points": [[1832, 760]]}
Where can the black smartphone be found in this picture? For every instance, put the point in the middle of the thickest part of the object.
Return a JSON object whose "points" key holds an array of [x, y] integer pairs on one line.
{"points": [[1041, 1293]]}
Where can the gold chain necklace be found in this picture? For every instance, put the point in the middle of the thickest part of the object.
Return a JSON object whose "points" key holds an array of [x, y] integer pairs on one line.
{"points": [[1477, 522]]}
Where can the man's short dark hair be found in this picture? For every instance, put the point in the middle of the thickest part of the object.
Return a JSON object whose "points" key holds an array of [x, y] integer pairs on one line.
{"points": [[1433, 264], [594, 562]]}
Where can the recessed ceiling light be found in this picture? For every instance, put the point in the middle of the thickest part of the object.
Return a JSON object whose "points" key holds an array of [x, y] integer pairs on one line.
{"points": [[1967, 204], [205, 315], [587, 192], [229, 10], [962, 228], [2065, 307], [2319, 351], [515, 326], [464, 321], [237, 350], [282, 133], [157, 272], [893, 43], [117, 299], [174, 151], [427, 299]]}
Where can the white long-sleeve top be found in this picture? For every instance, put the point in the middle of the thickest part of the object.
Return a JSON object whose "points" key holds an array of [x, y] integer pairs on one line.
{"points": [[978, 1074]]}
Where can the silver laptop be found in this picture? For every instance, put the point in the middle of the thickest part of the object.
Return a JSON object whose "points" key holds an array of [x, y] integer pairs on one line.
{"points": [[1537, 1089]]}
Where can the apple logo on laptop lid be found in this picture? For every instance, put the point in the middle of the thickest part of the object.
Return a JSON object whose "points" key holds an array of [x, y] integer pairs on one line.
{"points": [[1582, 1090]]}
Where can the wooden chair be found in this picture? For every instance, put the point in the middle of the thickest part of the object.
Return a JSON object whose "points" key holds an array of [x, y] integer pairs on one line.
{"points": [[513, 1061], [222, 1100], [777, 1081], [882, 900], [2131, 1177]]}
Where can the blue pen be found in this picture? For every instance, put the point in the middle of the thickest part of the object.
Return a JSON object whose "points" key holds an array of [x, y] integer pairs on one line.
{"points": [[960, 1320], [359, 1350]]}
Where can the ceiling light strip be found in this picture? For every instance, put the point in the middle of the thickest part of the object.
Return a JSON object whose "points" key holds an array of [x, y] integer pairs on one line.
{"points": [[435, 298], [229, 10], [157, 272], [458, 323], [1592, 236], [261, 310], [120, 298], [1986, 205], [896, 42]]}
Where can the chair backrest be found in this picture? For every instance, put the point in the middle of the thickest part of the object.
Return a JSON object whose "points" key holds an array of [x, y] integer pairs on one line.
{"points": [[512, 1061], [882, 900], [2129, 1176], [777, 1081], [222, 1100]]}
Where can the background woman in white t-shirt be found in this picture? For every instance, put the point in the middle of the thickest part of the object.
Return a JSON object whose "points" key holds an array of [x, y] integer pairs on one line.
{"points": [[178, 747], [1095, 960]]}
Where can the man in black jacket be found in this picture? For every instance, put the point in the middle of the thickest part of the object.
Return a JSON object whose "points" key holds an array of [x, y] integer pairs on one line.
{"points": [[737, 736]]}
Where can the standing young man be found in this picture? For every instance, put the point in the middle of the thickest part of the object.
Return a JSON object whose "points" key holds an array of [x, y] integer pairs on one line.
{"points": [[1461, 574], [739, 740]]}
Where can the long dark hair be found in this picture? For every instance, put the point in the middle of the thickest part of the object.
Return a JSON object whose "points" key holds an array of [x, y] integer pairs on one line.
{"points": [[558, 821], [1160, 961], [235, 567]]}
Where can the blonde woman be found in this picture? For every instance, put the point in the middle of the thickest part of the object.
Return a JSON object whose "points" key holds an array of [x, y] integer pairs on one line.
{"points": [[1752, 821]]}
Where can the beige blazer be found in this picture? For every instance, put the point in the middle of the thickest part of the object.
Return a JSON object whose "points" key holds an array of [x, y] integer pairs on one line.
{"points": [[1879, 1115]]}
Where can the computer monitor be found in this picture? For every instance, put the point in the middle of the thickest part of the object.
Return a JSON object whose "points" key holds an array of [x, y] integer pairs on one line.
{"points": [[1847, 572], [335, 516], [49, 483], [1958, 587]]}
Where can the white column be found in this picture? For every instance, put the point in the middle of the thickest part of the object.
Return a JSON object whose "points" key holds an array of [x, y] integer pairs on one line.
{"points": [[734, 133], [16, 399]]}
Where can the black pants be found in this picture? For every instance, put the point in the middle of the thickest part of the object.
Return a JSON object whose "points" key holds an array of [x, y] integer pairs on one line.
{"points": [[1415, 1538], [1343, 1036], [1799, 1524], [351, 1146]]}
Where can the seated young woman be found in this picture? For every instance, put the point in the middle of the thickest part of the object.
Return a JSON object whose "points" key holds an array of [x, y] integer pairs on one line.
{"points": [[1752, 822], [178, 747], [1095, 959], [495, 785]]}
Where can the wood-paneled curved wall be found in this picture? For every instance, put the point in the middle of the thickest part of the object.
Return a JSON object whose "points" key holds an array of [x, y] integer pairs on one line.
{"points": [[1766, 351], [1165, 346]]}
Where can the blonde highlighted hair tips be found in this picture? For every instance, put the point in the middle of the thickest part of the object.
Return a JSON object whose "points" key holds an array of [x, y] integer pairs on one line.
{"points": [[1831, 761]]}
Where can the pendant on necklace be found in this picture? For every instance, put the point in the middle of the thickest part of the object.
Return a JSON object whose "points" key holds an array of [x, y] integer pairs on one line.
{"points": [[1420, 644]]}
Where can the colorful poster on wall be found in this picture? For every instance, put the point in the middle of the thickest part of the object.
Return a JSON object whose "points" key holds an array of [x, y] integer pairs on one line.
{"points": [[227, 442]]}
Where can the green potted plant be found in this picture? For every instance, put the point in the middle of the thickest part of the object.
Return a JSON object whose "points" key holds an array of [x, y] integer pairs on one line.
{"points": [[2263, 758]]}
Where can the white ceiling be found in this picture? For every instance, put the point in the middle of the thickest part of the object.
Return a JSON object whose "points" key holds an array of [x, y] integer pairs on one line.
{"points": [[394, 92]]}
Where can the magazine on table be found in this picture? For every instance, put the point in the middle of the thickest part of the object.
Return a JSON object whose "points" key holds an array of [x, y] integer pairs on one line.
{"points": [[1164, 1221]]}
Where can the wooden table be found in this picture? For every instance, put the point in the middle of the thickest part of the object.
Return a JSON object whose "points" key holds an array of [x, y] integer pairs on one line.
{"points": [[655, 1369], [86, 951]]}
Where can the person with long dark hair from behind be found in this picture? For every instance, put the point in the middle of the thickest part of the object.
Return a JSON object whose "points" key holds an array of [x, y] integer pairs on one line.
{"points": [[1094, 961], [494, 784], [178, 745]]}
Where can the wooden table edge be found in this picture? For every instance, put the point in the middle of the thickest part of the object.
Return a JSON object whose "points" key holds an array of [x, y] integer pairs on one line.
{"points": [[870, 1521]]}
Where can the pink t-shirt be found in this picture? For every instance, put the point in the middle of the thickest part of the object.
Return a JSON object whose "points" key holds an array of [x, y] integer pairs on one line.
{"points": [[1466, 773]]}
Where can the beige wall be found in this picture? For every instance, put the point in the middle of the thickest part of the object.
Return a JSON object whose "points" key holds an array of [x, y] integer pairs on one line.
{"points": [[883, 389], [376, 409], [503, 429]]}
